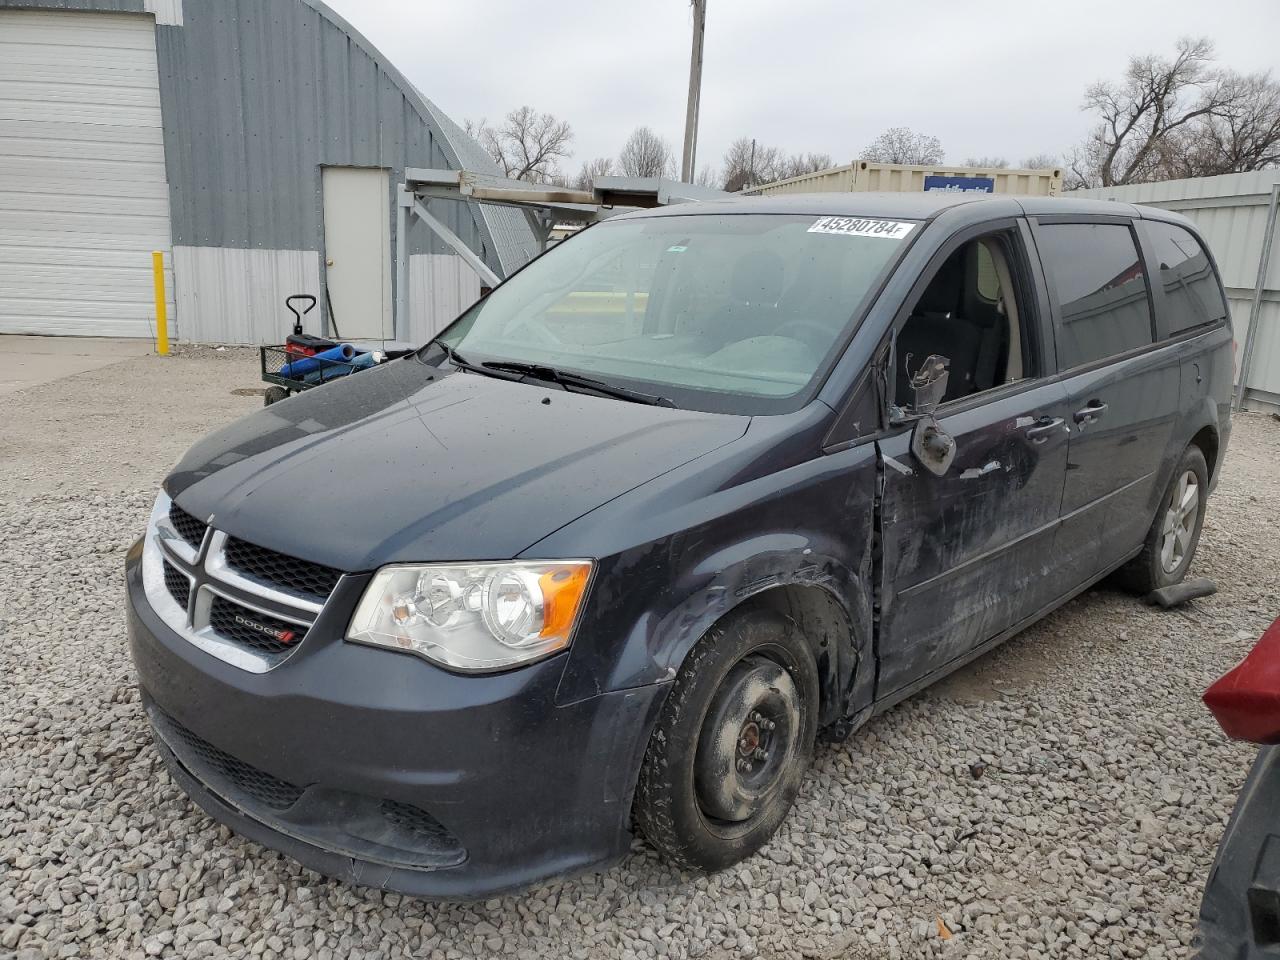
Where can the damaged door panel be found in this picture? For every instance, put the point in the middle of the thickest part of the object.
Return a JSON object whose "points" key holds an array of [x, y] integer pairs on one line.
{"points": [[973, 462], [965, 555]]}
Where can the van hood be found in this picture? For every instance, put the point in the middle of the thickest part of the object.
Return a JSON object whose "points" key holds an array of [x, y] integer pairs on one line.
{"points": [[408, 463]]}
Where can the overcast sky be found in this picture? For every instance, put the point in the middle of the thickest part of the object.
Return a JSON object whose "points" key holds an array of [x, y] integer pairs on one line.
{"points": [[806, 75]]}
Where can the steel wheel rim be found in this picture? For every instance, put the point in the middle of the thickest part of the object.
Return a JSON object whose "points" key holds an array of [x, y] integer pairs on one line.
{"points": [[748, 741], [1180, 519]]}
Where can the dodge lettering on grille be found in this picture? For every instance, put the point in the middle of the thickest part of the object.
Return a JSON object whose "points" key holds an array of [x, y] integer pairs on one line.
{"points": [[281, 636]]}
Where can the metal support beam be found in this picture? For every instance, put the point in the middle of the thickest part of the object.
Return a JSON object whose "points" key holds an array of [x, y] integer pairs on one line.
{"points": [[542, 205], [1255, 308], [400, 321], [438, 227]]}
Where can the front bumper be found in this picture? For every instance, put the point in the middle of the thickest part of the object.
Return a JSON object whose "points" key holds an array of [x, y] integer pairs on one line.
{"points": [[381, 769]]}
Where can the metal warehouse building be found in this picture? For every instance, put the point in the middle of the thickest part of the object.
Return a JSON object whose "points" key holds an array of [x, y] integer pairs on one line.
{"points": [[258, 143]]}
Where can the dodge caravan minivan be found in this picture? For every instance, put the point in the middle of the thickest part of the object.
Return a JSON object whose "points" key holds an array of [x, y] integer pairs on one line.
{"points": [[695, 485]]}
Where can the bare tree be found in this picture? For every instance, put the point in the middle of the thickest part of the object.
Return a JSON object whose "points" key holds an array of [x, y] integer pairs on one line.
{"points": [[645, 154], [749, 162], [707, 176], [1041, 161], [1243, 135], [985, 163], [599, 167], [904, 145], [528, 145], [1158, 100], [797, 165]]}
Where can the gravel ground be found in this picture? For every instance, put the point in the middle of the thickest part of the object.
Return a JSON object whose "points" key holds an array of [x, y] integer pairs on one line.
{"points": [[1089, 833]]}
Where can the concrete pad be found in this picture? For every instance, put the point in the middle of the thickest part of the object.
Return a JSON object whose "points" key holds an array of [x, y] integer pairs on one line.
{"points": [[27, 361]]}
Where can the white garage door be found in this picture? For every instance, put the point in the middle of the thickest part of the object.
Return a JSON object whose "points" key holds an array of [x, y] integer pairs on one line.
{"points": [[83, 196]]}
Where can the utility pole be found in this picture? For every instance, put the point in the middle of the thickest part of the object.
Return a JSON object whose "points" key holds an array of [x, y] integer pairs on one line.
{"points": [[690, 155]]}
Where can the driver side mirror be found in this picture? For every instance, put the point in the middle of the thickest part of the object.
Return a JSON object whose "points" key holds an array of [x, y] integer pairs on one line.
{"points": [[929, 384], [932, 446]]}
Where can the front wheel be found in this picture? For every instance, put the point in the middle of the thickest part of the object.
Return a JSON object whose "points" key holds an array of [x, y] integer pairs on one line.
{"points": [[732, 743], [1171, 542]]}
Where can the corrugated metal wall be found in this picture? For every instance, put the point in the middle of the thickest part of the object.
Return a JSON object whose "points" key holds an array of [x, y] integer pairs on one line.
{"points": [[83, 197], [238, 286], [1231, 212], [257, 96], [440, 287]]}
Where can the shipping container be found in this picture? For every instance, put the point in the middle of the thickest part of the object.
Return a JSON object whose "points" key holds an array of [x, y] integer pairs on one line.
{"points": [[867, 175]]}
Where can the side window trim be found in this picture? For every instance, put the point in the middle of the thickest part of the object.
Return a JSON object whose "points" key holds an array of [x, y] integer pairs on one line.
{"points": [[1048, 346], [1151, 263], [1037, 223]]}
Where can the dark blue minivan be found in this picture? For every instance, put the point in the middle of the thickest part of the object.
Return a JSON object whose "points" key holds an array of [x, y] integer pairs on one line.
{"points": [[696, 485]]}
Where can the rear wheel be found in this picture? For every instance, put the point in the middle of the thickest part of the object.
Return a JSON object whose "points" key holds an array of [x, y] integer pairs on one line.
{"points": [[732, 743], [1171, 542], [274, 395]]}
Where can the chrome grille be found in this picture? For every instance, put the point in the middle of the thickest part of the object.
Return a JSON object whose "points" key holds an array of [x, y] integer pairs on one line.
{"points": [[188, 527], [178, 584], [281, 570], [250, 620]]}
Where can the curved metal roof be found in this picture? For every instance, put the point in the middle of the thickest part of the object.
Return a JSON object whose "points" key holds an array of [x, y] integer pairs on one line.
{"points": [[508, 232]]}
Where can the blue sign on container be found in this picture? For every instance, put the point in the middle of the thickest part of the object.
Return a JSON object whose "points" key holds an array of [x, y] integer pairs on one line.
{"points": [[959, 185]]}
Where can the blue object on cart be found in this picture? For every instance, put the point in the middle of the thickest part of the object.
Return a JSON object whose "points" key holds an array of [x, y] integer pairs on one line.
{"points": [[297, 369], [332, 371]]}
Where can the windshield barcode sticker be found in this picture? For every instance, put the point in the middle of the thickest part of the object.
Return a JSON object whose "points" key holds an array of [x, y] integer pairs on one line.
{"points": [[861, 227]]}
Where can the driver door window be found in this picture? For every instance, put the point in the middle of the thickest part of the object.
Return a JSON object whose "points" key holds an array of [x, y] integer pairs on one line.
{"points": [[970, 313]]}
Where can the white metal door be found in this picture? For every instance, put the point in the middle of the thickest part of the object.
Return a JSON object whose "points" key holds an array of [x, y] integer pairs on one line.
{"points": [[83, 194], [357, 244]]}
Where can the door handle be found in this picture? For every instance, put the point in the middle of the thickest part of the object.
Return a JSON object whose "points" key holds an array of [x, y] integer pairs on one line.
{"points": [[1091, 412], [1045, 428]]}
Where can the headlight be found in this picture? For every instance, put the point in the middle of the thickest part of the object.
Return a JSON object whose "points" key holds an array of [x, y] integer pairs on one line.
{"points": [[474, 617]]}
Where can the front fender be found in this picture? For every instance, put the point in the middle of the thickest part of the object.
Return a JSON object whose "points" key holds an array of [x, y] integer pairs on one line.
{"points": [[727, 578], [806, 537]]}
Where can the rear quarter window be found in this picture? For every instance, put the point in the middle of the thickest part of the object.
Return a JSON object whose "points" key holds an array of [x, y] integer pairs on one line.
{"points": [[1192, 297], [1101, 287]]}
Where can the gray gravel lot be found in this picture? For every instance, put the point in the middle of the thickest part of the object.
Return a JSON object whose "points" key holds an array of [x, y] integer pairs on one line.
{"points": [[1089, 834]]}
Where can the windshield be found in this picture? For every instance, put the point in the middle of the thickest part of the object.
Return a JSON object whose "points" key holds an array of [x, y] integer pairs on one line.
{"points": [[735, 313]]}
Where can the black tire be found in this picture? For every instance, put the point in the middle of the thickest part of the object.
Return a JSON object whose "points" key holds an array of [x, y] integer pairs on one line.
{"points": [[753, 666], [1152, 569], [274, 395]]}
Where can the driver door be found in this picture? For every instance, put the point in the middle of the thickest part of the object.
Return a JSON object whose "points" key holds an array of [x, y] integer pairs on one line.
{"points": [[968, 554]]}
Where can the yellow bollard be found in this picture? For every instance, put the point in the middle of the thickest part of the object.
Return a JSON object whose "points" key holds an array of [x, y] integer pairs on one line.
{"points": [[162, 311]]}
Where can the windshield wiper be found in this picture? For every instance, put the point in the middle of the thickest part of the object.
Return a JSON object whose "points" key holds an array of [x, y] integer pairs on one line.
{"points": [[541, 371], [455, 358]]}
